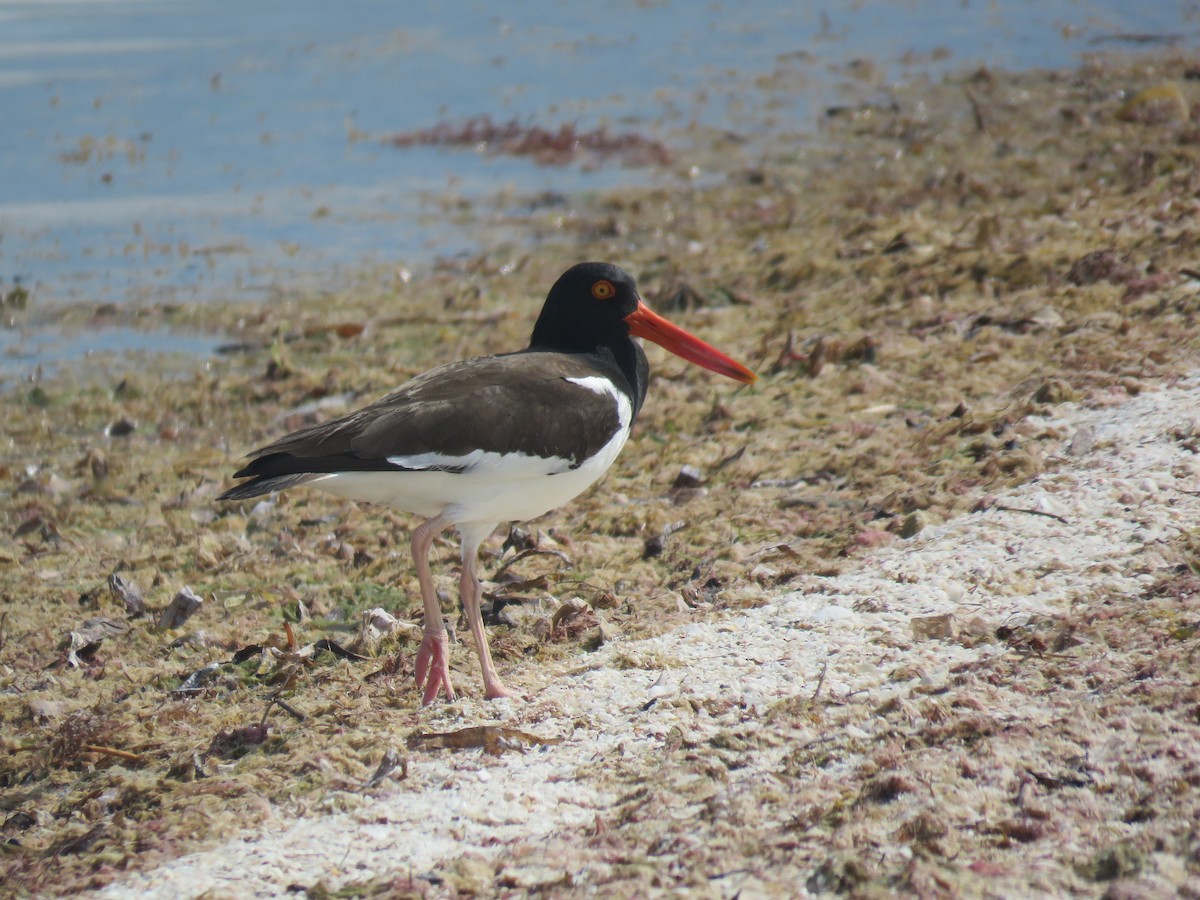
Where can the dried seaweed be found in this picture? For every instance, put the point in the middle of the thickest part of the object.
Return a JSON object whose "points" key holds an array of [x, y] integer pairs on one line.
{"points": [[492, 739], [555, 147]]}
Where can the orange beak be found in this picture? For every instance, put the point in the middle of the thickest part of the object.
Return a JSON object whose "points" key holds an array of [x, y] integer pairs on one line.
{"points": [[645, 323]]}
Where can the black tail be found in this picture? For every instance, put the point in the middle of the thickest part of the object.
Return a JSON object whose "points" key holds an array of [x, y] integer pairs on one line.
{"points": [[264, 484]]}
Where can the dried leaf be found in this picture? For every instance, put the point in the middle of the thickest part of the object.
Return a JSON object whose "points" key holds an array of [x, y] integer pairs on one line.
{"points": [[248, 652], [569, 611]]}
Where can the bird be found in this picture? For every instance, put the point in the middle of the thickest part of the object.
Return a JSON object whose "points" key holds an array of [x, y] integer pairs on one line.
{"points": [[491, 439]]}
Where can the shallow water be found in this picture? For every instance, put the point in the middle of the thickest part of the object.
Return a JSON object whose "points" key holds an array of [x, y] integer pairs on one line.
{"points": [[188, 150]]}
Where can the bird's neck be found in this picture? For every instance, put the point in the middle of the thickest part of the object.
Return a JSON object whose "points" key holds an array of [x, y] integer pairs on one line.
{"points": [[625, 361], [630, 359]]}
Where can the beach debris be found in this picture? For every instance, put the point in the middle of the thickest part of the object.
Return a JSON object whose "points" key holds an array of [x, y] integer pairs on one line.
{"points": [[885, 788], [928, 628], [687, 486], [990, 501], [128, 593], [501, 575], [913, 524], [83, 642], [80, 843], [187, 766], [198, 679], [1155, 105], [663, 687], [602, 634], [122, 427], [18, 821], [519, 539], [573, 616], [114, 752], [1055, 390], [494, 739], [81, 732], [1101, 265], [94, 463], [236, 742], [37, 522], [392, 665], [250, 651], [655, 544], [873, 537], [391, 759], [688, 477], [47, 710], [379, 621], [1082, 441], [325, 644], [182, 607], [94, 630]]}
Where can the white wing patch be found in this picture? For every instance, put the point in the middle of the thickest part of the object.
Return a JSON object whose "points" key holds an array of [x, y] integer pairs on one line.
{"points": [[482, 461], [599, 385], [593, 468]]}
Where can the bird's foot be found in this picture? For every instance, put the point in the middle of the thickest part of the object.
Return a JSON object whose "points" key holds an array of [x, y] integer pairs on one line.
{"points": [[494, 689], [433, 667]]}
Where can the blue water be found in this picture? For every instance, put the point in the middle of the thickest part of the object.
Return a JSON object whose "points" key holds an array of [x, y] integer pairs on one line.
{"points": [[186, 149]]}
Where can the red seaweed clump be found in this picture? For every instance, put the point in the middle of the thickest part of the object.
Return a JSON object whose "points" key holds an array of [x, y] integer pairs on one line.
{"points": [[547, 147]]}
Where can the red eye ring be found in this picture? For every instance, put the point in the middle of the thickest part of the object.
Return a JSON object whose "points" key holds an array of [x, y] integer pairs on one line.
{"points": [[603, 290]]}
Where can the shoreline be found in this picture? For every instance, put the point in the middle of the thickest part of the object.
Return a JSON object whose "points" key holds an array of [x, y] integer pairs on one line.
{"points": [[936, 311]]}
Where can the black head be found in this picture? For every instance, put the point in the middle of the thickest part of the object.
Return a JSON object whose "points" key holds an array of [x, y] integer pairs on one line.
{"points": [[586, 309], [596, 308]]}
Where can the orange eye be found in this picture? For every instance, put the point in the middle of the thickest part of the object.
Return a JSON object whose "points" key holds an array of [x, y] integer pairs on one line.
{"points": [[603, 290]]}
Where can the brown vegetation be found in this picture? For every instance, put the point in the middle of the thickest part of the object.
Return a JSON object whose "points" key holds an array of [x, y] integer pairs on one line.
{"points": [[910, 294]]}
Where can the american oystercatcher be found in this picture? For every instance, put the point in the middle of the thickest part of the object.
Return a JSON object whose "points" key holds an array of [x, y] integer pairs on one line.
{"points": [[493, 439]]}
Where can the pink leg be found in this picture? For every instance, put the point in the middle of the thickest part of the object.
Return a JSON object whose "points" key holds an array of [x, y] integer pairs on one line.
{"points": [[433, 656], [472, 593]]}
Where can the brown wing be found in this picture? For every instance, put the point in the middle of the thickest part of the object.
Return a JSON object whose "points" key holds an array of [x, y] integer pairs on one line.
{"points": [[516, 403]]}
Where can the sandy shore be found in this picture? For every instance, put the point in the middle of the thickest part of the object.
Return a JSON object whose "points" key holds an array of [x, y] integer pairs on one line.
{"points": [[843, 674]]}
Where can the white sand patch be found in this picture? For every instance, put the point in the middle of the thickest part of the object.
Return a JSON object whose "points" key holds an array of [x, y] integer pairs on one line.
{"points": [[1109, 506]]}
